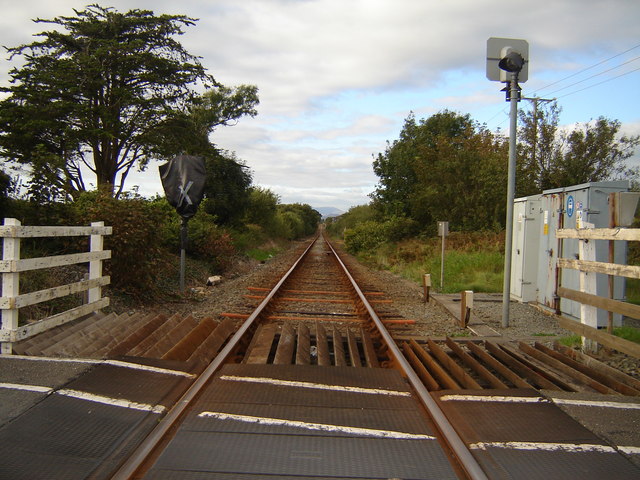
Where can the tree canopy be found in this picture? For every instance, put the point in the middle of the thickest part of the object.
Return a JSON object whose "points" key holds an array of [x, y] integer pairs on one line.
{"points": [[553, 157], [227, 187], [444, 167], [98, 89], [449, 167]]}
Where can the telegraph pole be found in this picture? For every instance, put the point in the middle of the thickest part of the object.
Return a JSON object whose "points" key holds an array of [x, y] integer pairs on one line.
{"points": [[535, 101]]}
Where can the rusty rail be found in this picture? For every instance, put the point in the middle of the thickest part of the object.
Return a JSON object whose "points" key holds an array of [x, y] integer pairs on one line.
{"points": [[464, 456]]}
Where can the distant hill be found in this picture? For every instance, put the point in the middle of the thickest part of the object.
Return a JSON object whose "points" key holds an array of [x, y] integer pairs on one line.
{"points": [[327, 212]]}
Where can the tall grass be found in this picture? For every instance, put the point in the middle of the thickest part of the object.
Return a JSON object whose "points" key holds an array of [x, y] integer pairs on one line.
{"points": [[471, 262]]}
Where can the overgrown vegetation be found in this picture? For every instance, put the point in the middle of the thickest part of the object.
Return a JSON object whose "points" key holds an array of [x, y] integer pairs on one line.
{"points": [[571, 341], [473, 260]]}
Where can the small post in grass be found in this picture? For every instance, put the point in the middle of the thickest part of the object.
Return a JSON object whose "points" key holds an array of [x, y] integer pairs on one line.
{"points": [[443, 231]]}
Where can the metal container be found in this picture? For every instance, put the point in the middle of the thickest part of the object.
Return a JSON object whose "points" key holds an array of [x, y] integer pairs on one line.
{"points": [[538, 257], [524, 255]]}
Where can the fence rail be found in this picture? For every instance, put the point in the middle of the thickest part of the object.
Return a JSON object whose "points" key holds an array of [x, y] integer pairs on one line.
{"points": [[587, 297], [12, 265]]}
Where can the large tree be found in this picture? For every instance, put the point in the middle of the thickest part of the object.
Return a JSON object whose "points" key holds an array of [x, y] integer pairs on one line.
{"points": [[553, 157], [445, 167], [95, 90], [187, 131]]}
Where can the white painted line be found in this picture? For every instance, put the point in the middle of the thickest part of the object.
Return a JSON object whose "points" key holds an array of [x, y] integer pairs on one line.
{"points": [[630, 450], [318, 386], [147, 368], [593, 403], [30, 388], [493, 398], [365, 432], [561, 401], [116, 402], [53, 359], [546, 447]]}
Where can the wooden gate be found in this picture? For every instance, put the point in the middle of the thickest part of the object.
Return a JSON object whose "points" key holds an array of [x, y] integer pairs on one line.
{"points": [[11, 266]]}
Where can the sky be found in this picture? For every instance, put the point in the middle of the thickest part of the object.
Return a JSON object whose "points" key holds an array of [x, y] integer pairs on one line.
{"points": [[337, 78]]}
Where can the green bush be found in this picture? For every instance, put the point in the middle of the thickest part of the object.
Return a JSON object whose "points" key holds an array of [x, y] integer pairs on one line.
{"points": [[249, 237], [399, 228], [369, 235], [294, 223], [366, 236], [135, 243], [209, 242]]}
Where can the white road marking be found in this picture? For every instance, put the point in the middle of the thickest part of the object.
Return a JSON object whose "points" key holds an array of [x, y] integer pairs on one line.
{"points": [[53, 359], [493, 398], [319, 386], [30, 388], [543, 446], [560, 401], [147, 368], [116, 363], [116, 402], [366, 432], [630, 450], [594, 403]]}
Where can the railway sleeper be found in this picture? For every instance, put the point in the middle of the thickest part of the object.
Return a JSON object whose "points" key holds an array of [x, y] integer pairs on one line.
{"points": [[321, 344], [465, 365]]}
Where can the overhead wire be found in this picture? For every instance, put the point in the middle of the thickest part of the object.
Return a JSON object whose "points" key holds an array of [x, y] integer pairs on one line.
{"points": [[599, 83], [586, 69], [596, 75]]}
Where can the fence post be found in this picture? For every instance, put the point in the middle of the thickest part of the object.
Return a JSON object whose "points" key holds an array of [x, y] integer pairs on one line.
{"points": [[587, 282], [95, 266], [466, 305], [10, 283], [426, 282]]}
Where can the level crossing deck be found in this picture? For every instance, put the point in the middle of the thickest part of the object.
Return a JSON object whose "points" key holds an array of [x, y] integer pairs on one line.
{"points": [[78, 419], [292, 421]]}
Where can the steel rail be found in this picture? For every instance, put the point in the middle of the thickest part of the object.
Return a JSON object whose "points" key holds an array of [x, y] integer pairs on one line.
{"points": [[137, 459], [466, 460]]}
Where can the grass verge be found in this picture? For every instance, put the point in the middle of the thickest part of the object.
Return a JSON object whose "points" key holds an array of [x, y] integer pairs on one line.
{"points": [[471, 262]]}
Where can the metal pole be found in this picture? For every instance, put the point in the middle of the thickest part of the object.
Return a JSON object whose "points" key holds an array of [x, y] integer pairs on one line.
{"points": [[511, 187], [183, 252]]}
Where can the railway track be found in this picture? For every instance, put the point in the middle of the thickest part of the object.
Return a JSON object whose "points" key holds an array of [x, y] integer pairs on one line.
{"points": [[313, 375], [346, 331]]}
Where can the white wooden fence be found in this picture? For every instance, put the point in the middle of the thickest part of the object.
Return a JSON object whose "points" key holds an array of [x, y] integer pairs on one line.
{"points": [[587, 296], [11, 266]]}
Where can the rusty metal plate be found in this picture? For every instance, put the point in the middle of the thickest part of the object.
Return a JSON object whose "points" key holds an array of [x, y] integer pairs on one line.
{"points": [[184, 475], [407, 421], [254, 384], [253, 393], [348, 376]]}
